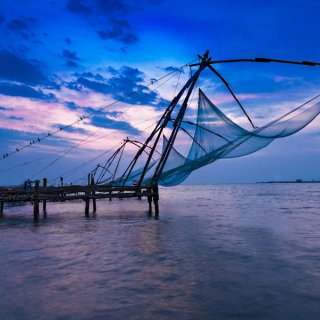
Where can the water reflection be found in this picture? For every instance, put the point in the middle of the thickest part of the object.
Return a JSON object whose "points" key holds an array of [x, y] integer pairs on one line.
{"points": [[217, 252]]}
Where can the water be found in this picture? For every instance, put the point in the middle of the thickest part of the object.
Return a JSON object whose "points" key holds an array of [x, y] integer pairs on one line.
{"points": [[217, 252]]}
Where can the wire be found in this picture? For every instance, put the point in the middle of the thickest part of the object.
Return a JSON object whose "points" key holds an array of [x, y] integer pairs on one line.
{"points": [[88, 161], [103, 152], [175, 89], [38, 140], [82, 142]]}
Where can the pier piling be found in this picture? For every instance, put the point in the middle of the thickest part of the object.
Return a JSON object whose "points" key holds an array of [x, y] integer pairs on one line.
{"points": [[149, 197], [41, 195], [36, 200], [44, 203], [87, 198], [94, 201], [156, 201]]}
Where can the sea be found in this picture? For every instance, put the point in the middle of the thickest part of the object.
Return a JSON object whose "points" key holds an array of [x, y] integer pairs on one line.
{"points": [[246, 251]]}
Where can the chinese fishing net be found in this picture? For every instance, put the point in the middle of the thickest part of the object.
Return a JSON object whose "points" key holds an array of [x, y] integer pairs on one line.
{"points": [[215, 136]]}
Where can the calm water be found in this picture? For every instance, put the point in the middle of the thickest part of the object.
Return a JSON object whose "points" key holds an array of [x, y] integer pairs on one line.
{"points": [[217, 252]]}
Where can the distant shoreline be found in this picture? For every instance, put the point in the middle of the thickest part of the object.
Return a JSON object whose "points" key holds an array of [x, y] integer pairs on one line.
{"points": [[290, 181]]}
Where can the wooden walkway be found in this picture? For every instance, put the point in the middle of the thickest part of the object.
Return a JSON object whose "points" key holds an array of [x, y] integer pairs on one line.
{"points": [[42, 194]]}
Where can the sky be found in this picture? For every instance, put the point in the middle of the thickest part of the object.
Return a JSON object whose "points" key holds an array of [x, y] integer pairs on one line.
{"points": [[67, 61]]}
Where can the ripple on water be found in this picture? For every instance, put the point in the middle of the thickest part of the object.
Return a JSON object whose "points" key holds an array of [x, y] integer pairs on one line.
{"points": [[217, 252]]}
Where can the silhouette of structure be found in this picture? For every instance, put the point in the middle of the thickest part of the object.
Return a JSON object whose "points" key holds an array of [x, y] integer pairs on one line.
{"points": [[214, 136]]}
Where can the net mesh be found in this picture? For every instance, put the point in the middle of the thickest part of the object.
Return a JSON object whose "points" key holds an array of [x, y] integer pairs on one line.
{"points": [[217, 137]]}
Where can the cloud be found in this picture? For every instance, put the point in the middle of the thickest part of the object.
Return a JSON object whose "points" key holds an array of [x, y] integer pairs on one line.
{"points": [[101, 12], [71, 58], [171, 69], [107, 6], [6, 108], [98, 7], [94, 85], [71, 105], [21, 26], [78, 7], [90, 75], [67, 40], [108, 123], [7, 134], [287, 80], [15, 118], [120, 30], [17, 90], [71, 55], [123, 82], [15, 68], [71, 129], [73, 85]]}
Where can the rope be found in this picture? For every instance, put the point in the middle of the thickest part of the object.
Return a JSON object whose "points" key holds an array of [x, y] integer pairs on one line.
{"points": [[82, 142], [108, 149], [38, 140]]}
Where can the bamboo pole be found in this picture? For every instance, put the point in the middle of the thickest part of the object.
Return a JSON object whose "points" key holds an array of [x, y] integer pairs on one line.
{"points": [[178, 120]]}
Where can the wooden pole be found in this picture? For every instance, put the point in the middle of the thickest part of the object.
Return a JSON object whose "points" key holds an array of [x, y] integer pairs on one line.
{"points": [[44, 204], [149, 190], [116, 169], [87, 198], [176, 124], [93, 193], [162, 123], [139, 193], [156, 200], [1, 208], [36, 200], [159, 128]]}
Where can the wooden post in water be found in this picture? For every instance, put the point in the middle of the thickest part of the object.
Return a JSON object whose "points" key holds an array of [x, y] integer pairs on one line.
{"points": [[94, 202], [44, 204], [36, 200], [156, 200], [87, 198], [149, 190], [139, 191], [1, 208]]}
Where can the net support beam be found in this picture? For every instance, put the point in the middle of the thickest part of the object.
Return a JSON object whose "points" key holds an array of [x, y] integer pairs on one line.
{"points": [[179, 119]]}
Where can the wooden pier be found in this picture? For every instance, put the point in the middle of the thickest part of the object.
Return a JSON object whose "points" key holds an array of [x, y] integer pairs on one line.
{"points": [[134, 182], [92, 192]]}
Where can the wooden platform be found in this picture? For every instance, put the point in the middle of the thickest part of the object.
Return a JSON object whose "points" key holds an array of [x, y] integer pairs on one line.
{"points": [[43, 194]]}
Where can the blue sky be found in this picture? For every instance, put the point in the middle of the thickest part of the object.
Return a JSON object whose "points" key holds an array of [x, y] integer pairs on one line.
{"points": [[62, 59]]}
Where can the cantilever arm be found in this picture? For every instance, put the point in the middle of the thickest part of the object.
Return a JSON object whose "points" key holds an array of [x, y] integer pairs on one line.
{"points": [[263, 60]]}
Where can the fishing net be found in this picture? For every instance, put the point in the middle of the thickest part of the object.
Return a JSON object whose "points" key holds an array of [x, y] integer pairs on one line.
{"points": [[217, 137]]}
